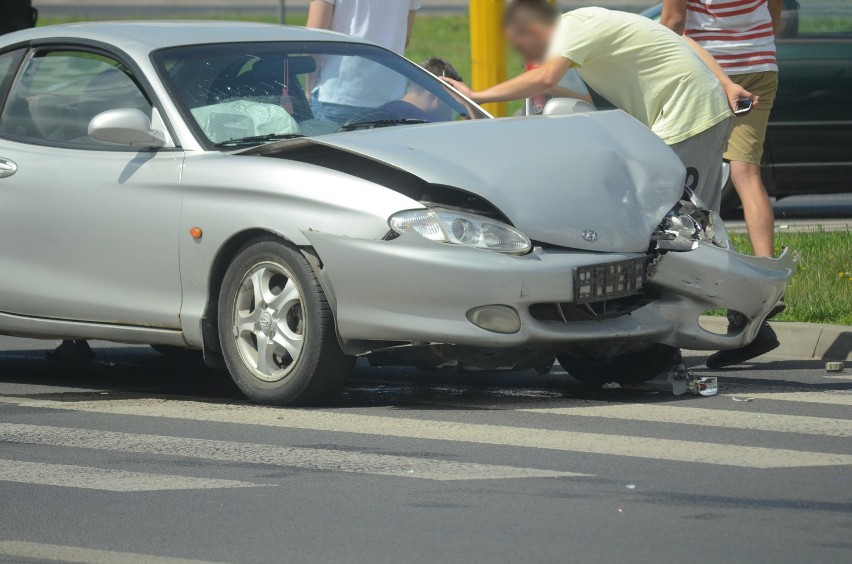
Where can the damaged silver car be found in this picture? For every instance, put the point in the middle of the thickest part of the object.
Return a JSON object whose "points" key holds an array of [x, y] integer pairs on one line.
{"points": [[190, 186]]}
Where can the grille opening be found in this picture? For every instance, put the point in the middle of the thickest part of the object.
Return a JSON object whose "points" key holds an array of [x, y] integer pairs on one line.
{"points": [[567, 312]]}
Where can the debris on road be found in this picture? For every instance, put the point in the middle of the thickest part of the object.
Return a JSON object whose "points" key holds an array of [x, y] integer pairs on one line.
{"points": [[612, 386], [682, 381], [834, 366], [741, 398]]}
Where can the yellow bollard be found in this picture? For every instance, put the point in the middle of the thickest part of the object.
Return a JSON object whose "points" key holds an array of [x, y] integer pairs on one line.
{"points": [[488, 48]]}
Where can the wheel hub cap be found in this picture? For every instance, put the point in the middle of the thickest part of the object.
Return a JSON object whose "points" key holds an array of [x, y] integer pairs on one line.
{"points": [[265, 322], [269, 323]]}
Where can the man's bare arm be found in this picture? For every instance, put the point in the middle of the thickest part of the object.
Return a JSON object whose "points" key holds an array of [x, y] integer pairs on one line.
{"points": [[733, 91], [319, 14], [412, 14], [562, 92], [531, 83], [674, 15], [775, 9]]}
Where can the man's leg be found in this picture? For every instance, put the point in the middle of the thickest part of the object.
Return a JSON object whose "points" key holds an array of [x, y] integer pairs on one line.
{"points": [[745, 152], [702, 157], [759, 215]]}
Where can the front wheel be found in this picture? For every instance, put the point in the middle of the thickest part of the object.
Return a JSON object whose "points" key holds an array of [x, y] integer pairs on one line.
{"points": [[625, 364], [277, 329]]}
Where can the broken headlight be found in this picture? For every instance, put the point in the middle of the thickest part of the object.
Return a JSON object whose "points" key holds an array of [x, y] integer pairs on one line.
{"points": [[689, 223], [447, 226]]}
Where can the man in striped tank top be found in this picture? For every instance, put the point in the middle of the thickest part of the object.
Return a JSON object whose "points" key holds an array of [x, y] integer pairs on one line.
{"points": [[740, 34]]}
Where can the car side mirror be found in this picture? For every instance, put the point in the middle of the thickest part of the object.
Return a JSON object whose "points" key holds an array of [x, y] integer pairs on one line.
{"points": [[126, 126], [567, 107]]}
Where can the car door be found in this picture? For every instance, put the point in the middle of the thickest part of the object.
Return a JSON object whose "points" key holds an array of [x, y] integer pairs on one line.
{"points": [[88, 230], [810, 130]]}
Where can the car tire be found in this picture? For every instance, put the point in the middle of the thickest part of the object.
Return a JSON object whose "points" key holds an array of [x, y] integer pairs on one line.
{"points": [[730, 199], [178, 353], [277, 329], [635, 365]]}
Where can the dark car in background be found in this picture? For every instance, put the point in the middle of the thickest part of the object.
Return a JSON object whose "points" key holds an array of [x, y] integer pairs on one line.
{"points": [[809, 139]]}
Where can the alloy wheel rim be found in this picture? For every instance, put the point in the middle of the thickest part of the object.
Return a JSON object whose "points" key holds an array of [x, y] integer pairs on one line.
{"points": [[269, 321]]}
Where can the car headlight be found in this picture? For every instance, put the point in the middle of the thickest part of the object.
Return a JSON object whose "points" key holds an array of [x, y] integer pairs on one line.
{"points": [[689, 223], [447, 226]]}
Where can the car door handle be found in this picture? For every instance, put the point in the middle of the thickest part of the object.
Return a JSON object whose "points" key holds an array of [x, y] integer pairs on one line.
{"points": [[7, 168]]}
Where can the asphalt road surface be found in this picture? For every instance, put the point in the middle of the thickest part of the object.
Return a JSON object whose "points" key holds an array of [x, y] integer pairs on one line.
{"points": [[137, 458]]}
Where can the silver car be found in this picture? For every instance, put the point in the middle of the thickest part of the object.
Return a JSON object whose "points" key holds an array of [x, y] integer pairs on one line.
{"points": [[199, 186]]}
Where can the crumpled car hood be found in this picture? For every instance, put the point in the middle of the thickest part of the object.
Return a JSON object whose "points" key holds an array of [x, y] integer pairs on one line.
{"points": [[554, 177]]}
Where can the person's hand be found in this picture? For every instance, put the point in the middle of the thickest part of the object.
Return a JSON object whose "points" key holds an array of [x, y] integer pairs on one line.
{"points": [[735, 92], [460, 86]]}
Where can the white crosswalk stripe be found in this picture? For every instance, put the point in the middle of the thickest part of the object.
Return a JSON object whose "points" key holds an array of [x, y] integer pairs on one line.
{"points": [[832, 398], [79, 555], [662, 413], [253, 453], [86, 477], [477, 433]]}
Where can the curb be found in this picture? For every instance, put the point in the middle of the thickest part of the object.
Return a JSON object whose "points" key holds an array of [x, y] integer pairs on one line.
{"points": [[801, 340]]}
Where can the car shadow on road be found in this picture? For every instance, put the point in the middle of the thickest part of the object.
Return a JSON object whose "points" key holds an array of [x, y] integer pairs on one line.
{"points": [[133, 372]]}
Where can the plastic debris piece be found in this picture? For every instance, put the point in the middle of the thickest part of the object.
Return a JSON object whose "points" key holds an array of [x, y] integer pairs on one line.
{"points": [[742, 398], [834, 366], [621, 510], [630, 486], [612, 386], [678, 377], [706, 386]]}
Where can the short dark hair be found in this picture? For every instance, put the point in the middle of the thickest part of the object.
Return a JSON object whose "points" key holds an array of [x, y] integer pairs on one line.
{"points": [[540, 10], [441, 67]]}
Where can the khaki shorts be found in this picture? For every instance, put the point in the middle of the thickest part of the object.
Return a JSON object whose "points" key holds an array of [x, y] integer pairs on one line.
{"points": [[746, 142]]}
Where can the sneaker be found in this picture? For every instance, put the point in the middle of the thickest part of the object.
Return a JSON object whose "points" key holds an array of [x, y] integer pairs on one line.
{"points": [[765, 342]]}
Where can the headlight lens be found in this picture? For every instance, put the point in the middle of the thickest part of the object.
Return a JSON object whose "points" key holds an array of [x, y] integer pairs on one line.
{"points": [[447, 226]]}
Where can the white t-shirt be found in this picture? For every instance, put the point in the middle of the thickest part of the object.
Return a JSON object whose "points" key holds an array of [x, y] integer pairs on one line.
{"points": [[357, 82]]}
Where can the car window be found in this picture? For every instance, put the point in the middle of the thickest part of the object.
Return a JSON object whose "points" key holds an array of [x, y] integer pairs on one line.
{"points": [[8, 66], [6, 60], [59, 93]]}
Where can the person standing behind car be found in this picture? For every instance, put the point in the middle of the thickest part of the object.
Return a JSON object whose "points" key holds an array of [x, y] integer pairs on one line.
{"points": [[346, 86], [741, 37], [17, 15]]}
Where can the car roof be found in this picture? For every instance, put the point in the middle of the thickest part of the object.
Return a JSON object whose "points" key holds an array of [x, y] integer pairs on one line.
{"points": [[147, 36]]}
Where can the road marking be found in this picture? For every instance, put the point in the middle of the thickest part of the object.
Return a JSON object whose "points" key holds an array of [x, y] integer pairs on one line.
{"points": [[832, 398], [321, 420], [78, 555], [708, 418], [254, 453], [89, 478]]}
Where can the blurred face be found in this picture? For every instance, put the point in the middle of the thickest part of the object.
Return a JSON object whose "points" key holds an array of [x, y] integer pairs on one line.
{"points": [[531, 38]]}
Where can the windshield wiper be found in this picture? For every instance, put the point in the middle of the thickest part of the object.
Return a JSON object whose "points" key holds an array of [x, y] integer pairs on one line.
{"points": [[372, 124], [258, 139]]}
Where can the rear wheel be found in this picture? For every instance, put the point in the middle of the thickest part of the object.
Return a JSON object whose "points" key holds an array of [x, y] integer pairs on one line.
{"points": [[628, 364], [277, 329]]}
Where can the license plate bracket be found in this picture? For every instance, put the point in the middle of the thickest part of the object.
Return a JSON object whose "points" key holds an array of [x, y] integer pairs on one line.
{"points": [[610, 280]]}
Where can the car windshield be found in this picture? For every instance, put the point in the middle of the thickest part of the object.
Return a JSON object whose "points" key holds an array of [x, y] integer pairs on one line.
{"points": [[243, 94]]}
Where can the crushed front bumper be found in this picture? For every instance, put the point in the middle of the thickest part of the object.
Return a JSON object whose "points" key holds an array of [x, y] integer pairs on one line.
{"points": [[410, 290]]}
